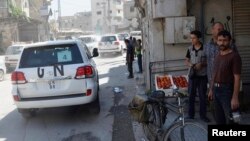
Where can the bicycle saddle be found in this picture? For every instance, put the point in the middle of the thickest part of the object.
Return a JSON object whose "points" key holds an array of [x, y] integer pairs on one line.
{"points": [[157, 95]]}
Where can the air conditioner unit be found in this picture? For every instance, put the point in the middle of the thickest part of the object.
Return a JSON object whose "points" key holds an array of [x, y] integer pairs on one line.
{"points": [[169, 8], [177, 29]]}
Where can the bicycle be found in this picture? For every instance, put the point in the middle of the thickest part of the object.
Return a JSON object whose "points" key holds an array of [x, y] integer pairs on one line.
{"points": [[157, 112], [183, 129]]}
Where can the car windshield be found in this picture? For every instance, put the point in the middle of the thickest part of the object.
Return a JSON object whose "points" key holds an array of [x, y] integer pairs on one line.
{"points": [[14, 50], [50, 55], [108, 39]]}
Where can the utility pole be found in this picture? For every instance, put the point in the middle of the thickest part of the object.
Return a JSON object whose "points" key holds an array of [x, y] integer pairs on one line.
{"points": [[109, 17], [104, 17], [59, 14]]}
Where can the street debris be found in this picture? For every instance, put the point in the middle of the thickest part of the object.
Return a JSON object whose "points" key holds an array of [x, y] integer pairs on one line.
{"points": [[117, 90]]}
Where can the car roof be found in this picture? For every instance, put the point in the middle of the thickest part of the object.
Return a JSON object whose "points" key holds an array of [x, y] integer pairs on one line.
{"points": [[123, 33], [88, 36], [138, 31], [51, 43], [109, 35], [18, 45]]}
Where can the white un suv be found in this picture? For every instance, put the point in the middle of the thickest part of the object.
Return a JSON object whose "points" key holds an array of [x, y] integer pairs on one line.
{"points": [[55, 74], [111, 44]]}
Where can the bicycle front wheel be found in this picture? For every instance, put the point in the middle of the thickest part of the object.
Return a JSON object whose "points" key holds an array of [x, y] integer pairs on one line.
{"points": [[154, 124], [190, 131]]}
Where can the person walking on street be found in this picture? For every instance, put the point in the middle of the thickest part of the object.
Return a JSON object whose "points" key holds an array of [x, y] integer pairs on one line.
{"points": [[196, 60], [225, 83], [129, 58], [138, 51]]}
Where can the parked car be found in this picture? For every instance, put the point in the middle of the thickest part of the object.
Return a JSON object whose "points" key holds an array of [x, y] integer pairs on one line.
{"points": [[55, 74], [91, 41], [111, 44], [136, 34], [12, 56], [2, 68]]}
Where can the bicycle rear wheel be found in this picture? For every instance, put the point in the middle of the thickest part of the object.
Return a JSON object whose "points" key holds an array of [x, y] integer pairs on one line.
{"points": [[154, 124], [191, 131]]}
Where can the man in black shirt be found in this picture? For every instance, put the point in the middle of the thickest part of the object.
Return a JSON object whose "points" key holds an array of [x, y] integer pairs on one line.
{"points": [[129, 58]]}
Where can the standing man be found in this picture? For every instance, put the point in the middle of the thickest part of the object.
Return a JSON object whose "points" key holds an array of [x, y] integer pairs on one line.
{"points": [[225, 83], [212, 48], [138, 51], [196, 59], [129, 58]]}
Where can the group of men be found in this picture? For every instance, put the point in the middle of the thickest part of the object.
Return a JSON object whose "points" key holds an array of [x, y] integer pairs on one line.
{"points": [[133, 46], [218, 64]]}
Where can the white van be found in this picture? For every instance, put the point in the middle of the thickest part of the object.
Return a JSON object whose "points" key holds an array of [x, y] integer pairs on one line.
{"points": [[136, 34], [12, 56]]}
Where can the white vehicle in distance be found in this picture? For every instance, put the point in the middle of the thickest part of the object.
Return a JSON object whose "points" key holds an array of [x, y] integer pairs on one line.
{"points": [[55, 74], [111, 44], [12, 56], [123, 36], [136, 34], [91, 41], [2, 68]]}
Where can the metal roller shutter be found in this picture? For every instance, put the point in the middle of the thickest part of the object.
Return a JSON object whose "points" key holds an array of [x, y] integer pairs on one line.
{"points": [[241, 28]]}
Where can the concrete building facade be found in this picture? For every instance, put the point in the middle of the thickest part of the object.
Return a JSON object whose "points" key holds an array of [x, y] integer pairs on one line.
{"points": [[23, 21], [40, 11], [3, 8], [7, 5], [107, 15], [80, 21], [10, 21], [24, 6], [131, 15]]}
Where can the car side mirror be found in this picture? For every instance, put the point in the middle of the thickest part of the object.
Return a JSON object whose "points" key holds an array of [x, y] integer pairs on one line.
{"points": [[95, 52]]}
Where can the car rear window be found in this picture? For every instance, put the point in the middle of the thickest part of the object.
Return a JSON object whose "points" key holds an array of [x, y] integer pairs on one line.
{"points": [[108, 39], [50, 55]]}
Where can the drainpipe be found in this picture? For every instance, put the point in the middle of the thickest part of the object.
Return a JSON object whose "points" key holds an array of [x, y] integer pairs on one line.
{"points": [[202, 13]]}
